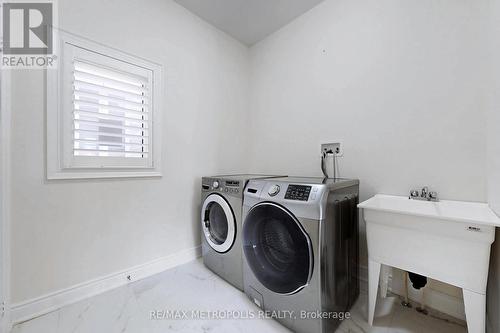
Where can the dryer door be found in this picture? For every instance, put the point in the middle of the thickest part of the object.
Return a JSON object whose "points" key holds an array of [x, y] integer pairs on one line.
{"points": [[277, 248], [218, 223]]}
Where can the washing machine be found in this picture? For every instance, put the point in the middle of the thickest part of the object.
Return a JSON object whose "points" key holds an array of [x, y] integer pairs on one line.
{"points": [[300, 245], [222, 200]]}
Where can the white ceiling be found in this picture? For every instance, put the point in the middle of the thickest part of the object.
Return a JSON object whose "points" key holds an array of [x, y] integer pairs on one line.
{"points": [[249, 21]]}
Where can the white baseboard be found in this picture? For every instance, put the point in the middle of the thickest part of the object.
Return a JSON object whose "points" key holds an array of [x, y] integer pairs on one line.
{"points": [[435, 299], [33, 308]]}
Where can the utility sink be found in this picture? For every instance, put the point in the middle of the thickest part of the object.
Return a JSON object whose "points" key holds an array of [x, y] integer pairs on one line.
{"points": [[447, 240]]}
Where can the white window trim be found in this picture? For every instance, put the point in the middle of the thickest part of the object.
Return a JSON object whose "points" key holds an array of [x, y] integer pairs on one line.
{"points": [[55, 130]]}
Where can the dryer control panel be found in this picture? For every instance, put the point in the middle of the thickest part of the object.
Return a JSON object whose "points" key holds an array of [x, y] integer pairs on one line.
{"points": [[221, 185], [298, 192]]}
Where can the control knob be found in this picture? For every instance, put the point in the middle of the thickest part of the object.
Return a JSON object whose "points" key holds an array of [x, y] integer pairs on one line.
{"points": [[275, 189], [215, 184]]}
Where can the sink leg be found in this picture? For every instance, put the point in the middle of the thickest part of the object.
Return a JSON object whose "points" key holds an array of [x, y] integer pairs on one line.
{"points": [[475, 311], [385, 271], [373, 278]]}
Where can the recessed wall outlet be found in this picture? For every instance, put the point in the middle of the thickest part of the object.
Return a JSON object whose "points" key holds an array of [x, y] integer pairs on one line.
{"points": [[332, 148]]}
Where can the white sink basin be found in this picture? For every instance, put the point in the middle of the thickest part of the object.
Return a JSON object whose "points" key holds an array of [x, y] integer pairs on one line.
{"points": [[459, 211], [448, 241]]}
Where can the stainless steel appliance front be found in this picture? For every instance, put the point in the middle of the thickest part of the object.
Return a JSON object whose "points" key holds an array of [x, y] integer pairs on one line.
{"points": [[300, 243]]}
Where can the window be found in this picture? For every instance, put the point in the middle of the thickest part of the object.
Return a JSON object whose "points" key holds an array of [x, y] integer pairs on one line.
{"points": [[103, 113], [111, 112]]}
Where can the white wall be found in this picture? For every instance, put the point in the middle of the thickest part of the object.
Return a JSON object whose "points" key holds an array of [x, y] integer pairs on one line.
{"points": [[396, 81], [399, 82], [493, 157], [68, 232], [5, 88], [493, 106]]}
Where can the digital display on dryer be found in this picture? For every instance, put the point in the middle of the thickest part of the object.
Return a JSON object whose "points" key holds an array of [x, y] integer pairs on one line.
{"points": [[298, 192], [234, 183]]}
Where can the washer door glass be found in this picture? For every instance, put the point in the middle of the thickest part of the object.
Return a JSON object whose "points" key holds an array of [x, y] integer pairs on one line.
{"points": [[277, 248], [218, 223]]}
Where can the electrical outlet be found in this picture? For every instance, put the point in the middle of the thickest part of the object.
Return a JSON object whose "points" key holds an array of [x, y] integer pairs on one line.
{"points": [[335, 148]]}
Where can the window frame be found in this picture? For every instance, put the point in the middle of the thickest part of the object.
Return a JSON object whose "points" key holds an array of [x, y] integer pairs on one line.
{"points": [[61, 162]]}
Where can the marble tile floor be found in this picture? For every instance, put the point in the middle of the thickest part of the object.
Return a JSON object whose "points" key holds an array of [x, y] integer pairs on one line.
{"points": [[193, 287]]}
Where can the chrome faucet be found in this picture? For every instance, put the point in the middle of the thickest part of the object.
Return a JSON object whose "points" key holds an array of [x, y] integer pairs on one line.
{"points": [[433, 196], [424, 194]]}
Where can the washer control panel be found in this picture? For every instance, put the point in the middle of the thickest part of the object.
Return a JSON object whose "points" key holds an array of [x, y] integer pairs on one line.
{"points": [[298, 192]]}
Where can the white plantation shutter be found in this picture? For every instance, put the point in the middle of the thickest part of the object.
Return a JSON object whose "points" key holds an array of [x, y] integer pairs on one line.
{"points": [[111, 112], [103, 113]]}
